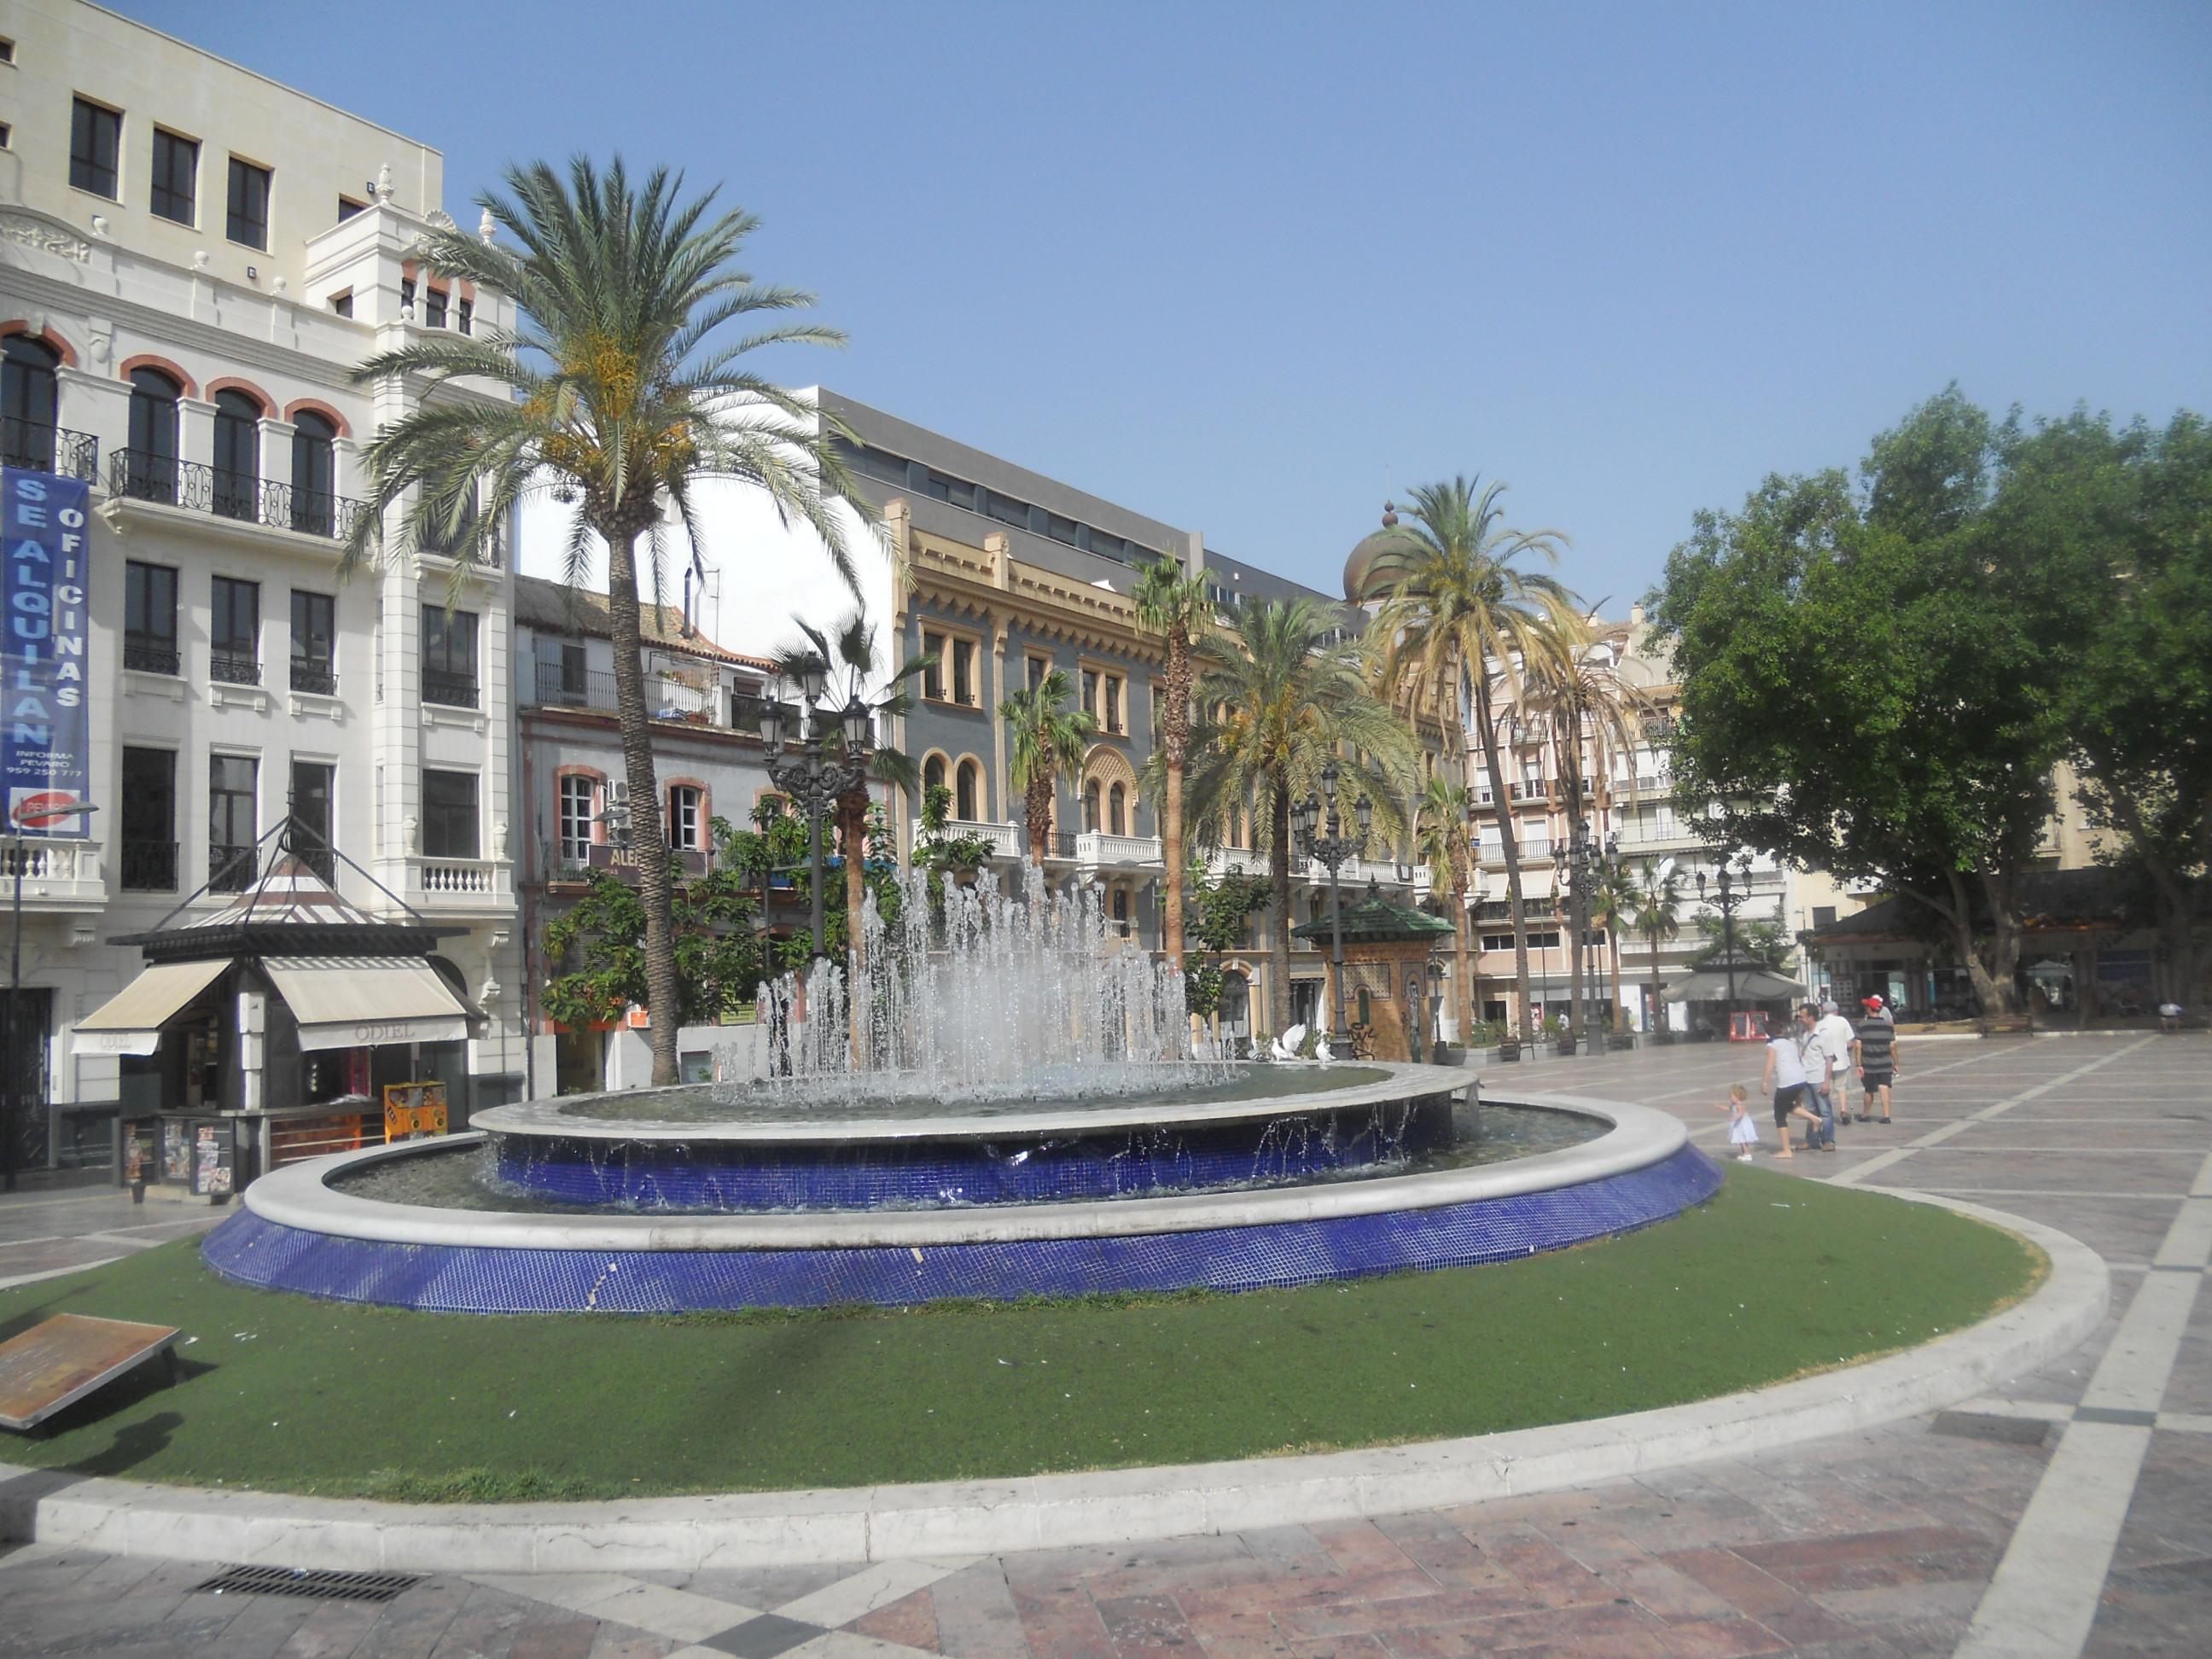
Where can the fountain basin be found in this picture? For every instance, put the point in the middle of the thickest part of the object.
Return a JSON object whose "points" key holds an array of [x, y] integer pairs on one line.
{"points": [[694, 1149], [298, 1232]]}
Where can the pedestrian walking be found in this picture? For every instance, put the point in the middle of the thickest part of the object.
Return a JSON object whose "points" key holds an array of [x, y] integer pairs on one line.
{"points": [[1786, 1076], [1833, 1036], [1877, 1058], [1743, 1129]]}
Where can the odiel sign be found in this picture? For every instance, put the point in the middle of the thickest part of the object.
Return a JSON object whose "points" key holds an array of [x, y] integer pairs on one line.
{"points": [[43, 740]]}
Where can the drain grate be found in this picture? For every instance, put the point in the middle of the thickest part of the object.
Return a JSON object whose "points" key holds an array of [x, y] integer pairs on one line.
{"points": [[317, 1585]]}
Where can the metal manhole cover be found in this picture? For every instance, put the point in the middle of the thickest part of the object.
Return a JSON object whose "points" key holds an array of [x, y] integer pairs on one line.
{"points": [[317, 1585]]}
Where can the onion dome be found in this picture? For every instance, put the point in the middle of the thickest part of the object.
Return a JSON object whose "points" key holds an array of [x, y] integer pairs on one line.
{"points": [[1360, 576]]}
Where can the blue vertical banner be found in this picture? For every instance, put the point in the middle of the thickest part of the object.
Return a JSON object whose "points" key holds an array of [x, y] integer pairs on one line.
{"points": [[46, 725]]}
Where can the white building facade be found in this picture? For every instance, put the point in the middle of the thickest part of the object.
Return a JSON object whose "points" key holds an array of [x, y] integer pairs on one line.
{"points": [[193, 261]]}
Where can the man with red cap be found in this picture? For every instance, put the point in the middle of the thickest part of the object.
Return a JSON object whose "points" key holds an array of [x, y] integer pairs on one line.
{"points": [[1876, 1055]]}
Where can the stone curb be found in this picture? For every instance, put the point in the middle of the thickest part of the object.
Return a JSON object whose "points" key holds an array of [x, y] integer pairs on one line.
{"points": [[1049, 1511]]}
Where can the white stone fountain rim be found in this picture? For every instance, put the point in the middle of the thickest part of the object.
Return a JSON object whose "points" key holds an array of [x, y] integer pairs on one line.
{"points": [[823, 1126], [298, 1196]]}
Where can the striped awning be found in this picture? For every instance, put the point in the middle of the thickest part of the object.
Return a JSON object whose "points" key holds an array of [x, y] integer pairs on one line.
{"points": [[360, 1002], [131, 1021]]}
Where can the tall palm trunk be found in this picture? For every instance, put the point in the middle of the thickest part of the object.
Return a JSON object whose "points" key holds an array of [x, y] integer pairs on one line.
{"points": [[1613, 946], [1510, 844], [1570, 779], [1462, 974], [1278, 923], [1036, 801], [663, 992], [1176, 744], [852, 831], [1659, 1021]]}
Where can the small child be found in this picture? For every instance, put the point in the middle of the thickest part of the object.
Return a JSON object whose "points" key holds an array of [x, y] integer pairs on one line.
{"points": [[1743, 1131]]}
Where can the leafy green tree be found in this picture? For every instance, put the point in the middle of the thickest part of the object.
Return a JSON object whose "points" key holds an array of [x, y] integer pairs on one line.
{"points": [[1048, 739], [613, 391], [1220, 909], [1765, 940], [1612, 898], [1460, 619], [1281, 698], [2107, 534], [1862, 687], [1173, 604], [595, 955], [1441, 818]]}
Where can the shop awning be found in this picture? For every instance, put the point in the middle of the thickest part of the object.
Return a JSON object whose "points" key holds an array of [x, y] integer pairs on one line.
{"points": [[131, 1021], [356, 1002], [1751, 985]]}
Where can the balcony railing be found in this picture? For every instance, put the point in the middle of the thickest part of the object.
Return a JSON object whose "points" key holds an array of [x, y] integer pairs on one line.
{"points": [[315, 676], [230, 869], [1100, 847], [233, 668], [37, 446], [141, 475], [1061, 844], [449, 690], [1006, 840], [149, 866], [548, 685], [146, 657]]}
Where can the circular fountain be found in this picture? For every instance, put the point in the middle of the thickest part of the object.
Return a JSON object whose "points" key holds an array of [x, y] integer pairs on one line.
{"points": [[1004, 1101]]}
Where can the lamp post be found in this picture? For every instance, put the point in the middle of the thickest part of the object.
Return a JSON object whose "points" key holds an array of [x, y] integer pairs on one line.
{"points": [[1330, 851], [1574, 865], [812, 779], [10, 1094], [1730, 897]]}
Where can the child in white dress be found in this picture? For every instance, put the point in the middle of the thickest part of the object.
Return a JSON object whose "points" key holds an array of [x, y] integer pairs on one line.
{"points": [[1743, 1130]]}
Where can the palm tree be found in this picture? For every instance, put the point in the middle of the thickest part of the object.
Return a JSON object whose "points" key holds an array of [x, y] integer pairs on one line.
{"points": [[852, 654], [1458, 620], [1441, 818], [1655, 912], [613, 394], [1048, 742], [1280, 699], [1174, 603], [1612, 901], [1590, 718]]}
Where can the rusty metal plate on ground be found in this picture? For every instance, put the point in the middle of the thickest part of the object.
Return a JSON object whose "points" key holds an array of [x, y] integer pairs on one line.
{"points": [[58, 1361]]}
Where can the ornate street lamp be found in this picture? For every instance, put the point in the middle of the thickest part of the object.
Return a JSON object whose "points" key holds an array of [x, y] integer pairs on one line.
{"points": [[1330, 851], [1574, 867], [1729, 898], [810, 777]]}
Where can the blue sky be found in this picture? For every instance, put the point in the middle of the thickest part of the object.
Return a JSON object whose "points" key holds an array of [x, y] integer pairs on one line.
{"points": [[1251, 269]]}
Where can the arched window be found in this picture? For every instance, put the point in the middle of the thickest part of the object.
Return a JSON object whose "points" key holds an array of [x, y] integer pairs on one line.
{"points": [[1117, 810], [967, 802], [27, 402], [1091, 806], [237, 455], [314, 473], [150, 473], [933, 775]]}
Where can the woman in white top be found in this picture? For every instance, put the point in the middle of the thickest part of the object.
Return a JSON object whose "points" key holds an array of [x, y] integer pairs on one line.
{"points": [[1786, 1076]]}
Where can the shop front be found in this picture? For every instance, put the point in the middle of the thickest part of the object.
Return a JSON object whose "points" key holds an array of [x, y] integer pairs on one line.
{"points": [[275, 1031]]}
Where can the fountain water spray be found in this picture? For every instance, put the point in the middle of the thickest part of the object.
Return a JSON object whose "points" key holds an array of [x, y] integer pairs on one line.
{"points": [[1006, 995]]}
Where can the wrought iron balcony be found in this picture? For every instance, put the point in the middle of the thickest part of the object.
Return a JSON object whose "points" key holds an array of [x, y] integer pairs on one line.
{"points": [[149, 866], [316, 677], [138, 475], [233, 668], [38, 446], [230, 869], [148, 657], [450, 690]]}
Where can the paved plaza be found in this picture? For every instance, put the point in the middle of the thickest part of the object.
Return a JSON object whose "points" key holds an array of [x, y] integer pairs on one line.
{"points": [[2070, 1511]]}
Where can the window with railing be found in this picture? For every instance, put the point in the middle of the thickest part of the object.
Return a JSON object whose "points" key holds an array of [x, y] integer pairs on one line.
{"points": [[315, 474], [233, 815], [237, 456], [148, 828], [314, 643], [577, 808], [150, 469], [149, 617], [234, 631], [449, 656], [29, 404]]}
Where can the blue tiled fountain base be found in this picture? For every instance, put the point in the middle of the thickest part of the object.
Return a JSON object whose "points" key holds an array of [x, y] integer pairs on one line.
{"points": [[736, 1176], [475, 1279]]}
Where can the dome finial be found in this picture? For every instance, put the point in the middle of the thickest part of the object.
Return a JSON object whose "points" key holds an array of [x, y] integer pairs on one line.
{"points": [[1389, 514]]}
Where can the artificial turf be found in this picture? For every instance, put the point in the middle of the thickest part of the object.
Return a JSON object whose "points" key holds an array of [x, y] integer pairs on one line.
{"points": [[1772, 1279]]}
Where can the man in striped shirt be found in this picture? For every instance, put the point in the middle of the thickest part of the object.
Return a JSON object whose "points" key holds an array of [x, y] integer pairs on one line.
{"points": [[1875, 1052]]}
